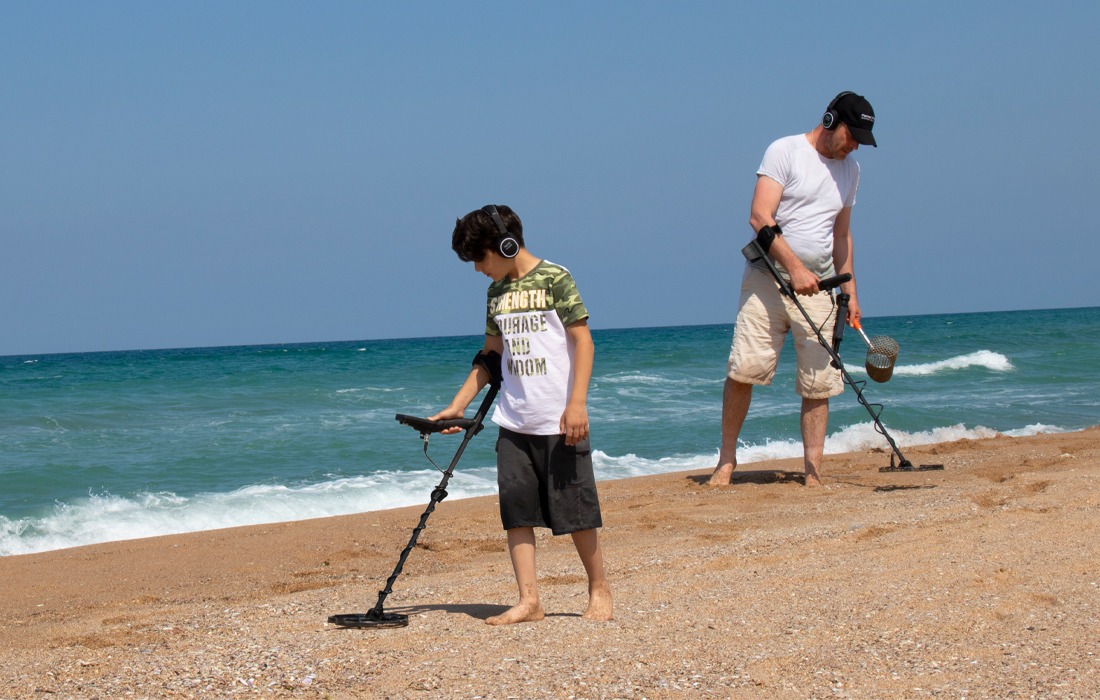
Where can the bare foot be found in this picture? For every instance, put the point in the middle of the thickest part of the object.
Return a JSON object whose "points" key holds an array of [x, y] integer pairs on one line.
{"points": [[812, 478], [599, 602], [722, 475], [522, 612]]}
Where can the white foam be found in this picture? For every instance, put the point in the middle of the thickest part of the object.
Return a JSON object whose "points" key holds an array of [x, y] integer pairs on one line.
{"points": [[635, 378], [863, 436], [1034, 429], [109, 518], [992, 361]]}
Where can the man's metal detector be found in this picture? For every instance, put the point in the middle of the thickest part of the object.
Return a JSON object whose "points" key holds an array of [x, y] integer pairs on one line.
{"points": [[754, 252], [376, 617]]}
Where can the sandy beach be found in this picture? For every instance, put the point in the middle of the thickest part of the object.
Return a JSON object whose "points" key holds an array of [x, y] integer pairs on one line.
{"points": [[978, 581]]}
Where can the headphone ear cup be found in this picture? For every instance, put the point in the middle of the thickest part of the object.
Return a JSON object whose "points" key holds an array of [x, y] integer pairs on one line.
{"points": [[828, 120], [509, 248]]}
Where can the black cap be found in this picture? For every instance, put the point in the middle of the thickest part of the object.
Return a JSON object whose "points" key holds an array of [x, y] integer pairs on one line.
{"points": [[855, 111]]}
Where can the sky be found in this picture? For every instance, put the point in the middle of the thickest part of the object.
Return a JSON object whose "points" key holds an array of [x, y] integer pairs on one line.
{"points": [[190, 174]]}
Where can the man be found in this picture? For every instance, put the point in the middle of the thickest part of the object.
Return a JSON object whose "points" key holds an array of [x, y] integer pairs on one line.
{"points": [[801, 213]]}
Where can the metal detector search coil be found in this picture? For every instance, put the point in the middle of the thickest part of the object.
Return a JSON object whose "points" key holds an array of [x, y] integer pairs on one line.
{"points": [[377, 617]]}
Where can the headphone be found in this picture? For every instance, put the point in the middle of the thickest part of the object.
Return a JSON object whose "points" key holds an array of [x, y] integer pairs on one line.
{"points": [[829, 119], [506, 244]]}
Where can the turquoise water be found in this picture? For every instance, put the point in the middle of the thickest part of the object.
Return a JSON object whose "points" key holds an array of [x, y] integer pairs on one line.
{"points": [[107, 446]]}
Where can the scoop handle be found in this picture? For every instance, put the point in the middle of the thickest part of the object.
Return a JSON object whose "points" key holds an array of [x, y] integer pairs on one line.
{"points": [[867, 340]]}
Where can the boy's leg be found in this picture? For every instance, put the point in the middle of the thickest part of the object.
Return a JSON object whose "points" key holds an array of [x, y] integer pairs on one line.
{"points": [[588, 547], [521, 548]]}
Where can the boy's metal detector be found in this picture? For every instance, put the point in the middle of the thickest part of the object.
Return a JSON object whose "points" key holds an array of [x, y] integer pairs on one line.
{"points": [[376, 616], [754, 252]]}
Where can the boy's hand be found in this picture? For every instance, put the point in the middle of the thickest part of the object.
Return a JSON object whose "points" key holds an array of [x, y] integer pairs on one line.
{"points": [[447, 414], [574, 424]]}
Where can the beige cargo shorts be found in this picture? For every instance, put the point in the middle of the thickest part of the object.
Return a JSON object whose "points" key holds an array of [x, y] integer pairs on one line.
{"points": [[765, 316]]}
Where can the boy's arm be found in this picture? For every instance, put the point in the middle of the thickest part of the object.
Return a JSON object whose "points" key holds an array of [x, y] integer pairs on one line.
{"points": [[475, 381], [574, 420]]}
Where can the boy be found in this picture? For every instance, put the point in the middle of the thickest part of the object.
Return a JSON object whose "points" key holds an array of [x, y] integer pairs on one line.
{"points": [[537, 332]]}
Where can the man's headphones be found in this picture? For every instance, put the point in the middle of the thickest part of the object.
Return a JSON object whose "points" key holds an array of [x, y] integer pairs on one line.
{"points": [[829, 119], [506, 244]]}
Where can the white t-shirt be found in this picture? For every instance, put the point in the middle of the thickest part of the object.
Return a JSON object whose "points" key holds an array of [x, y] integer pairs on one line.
{"points": [[532, 315], [815, 189]]}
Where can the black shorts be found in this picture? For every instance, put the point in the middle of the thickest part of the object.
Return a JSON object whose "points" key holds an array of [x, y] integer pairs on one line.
{"points": [[545, 483]]}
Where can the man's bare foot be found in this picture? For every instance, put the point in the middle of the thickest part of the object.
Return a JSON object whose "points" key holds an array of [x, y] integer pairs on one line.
{"points": [[812, 478], [599, 603], [522, 612], [722, 475]]}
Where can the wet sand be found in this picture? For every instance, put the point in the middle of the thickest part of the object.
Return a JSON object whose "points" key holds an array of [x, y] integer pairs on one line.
{"points": [[979, 581]]}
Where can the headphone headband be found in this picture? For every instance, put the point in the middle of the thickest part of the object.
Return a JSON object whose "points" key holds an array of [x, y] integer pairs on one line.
{"points": [[829, 119], [507, 246]]}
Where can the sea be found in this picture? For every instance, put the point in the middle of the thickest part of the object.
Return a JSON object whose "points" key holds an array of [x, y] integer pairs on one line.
{"points": [[108, 446]]}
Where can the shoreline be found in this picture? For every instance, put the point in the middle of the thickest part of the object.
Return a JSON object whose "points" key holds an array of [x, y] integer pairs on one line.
{"points": [[423, 490], [976, 580]]}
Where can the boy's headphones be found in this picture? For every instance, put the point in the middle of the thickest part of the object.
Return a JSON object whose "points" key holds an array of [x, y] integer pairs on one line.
{"points": [[829, 119], [506, 245]]}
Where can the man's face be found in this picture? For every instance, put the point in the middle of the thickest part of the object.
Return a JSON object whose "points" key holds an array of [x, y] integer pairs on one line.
{"points": [[840, 142]]}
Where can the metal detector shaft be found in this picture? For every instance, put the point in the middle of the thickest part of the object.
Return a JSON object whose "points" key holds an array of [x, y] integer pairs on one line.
{"points": [[754, 252], [438, 494]]}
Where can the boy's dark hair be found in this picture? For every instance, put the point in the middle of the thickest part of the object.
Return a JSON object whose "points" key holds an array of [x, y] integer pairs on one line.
{"points": [[476, 233]]}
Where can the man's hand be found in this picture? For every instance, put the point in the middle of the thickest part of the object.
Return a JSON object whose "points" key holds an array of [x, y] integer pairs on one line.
{"points": [[854, 313], [803, 281]]}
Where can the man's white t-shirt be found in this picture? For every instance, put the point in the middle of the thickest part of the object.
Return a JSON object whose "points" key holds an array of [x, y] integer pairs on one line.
{"points": [[815, 189]]}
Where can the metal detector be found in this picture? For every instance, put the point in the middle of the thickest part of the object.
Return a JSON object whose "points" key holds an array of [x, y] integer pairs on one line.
{"points": [[754, 252], [376, 616]]}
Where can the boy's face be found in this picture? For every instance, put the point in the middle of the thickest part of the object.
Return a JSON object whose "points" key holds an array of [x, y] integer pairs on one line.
{"points": [[495, 265]]}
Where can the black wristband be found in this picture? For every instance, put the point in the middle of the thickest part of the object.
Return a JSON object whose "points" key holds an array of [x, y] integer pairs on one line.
{"points": [[766, 235], [491, 362]]}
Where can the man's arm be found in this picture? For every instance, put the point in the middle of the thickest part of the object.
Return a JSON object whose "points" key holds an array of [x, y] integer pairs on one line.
{"points": [[574, 420], [765, 202], [844, 261]]}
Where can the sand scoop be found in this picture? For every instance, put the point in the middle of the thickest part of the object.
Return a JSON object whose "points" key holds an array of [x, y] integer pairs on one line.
{"points": [[882, 353], [377, 617]]}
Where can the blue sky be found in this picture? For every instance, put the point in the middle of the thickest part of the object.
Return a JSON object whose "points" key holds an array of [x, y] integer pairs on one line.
{"points": [[179, 174]]}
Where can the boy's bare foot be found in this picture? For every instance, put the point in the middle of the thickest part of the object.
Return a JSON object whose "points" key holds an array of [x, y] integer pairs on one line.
{"points": [[599, 603], [722, 475], [522, 612]]}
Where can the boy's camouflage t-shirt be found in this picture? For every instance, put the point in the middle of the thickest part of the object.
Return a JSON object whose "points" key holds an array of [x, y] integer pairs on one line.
{"points": [[531, 314]]}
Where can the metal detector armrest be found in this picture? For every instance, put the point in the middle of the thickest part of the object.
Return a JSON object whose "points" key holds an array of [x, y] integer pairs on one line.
{"points": [[425, 426], [752, 251]]}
